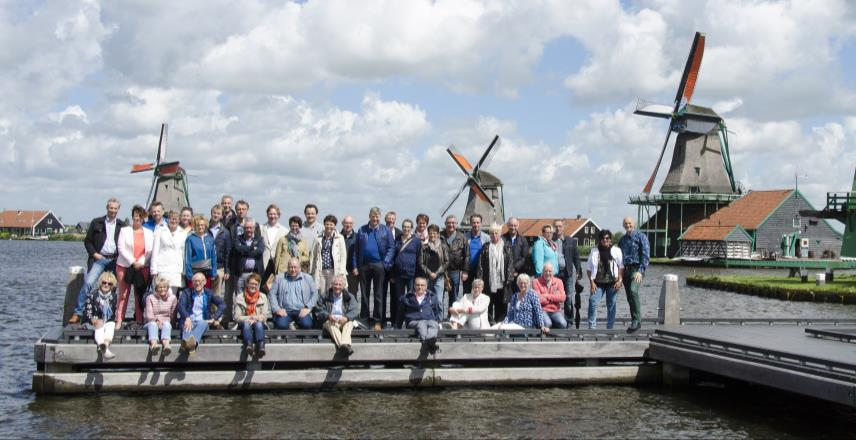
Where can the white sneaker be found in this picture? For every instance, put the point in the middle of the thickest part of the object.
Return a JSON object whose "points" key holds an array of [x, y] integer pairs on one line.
{"points": [[109, 354]]}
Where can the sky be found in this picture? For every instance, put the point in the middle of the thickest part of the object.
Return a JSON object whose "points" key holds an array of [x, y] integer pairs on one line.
{"points": [[350, 105]]}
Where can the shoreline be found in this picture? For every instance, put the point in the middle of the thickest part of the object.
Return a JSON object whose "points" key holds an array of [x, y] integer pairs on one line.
{"points": [[842, 291]]}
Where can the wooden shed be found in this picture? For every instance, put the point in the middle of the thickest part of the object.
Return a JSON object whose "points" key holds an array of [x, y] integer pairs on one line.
{"points": [[716, 242]]}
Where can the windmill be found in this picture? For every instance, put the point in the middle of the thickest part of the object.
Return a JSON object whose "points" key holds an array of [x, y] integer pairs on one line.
{"points": [[169, 184], [700, 180], [485, 197]]}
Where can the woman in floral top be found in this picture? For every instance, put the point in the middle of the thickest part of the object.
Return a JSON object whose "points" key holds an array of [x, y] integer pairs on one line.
{"points": [[524, 309]]}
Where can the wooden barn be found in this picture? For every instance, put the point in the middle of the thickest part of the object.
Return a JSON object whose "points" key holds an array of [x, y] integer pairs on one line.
{"points": [[766, 217], [30, 223], [583, 230]]}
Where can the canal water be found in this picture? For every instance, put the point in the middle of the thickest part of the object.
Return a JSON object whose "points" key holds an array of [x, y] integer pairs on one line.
{"points": [[32, 280]]}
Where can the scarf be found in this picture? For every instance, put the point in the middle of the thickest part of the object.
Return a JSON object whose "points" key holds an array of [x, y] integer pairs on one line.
{"points": [[293, 240], [251, 300], [496, 263], [551, 243], [104, 303]]}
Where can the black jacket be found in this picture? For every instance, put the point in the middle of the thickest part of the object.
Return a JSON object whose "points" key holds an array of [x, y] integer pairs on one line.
{"points": [[459, 252], [483, 271], [324, 307], [222, 246], [519, 252], [241, 251], [572, 256], [96, 234], [350, 241], [234, 227]]}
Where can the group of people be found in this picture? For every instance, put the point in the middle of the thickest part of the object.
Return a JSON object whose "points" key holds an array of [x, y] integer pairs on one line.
{"points": [[230, 270]]}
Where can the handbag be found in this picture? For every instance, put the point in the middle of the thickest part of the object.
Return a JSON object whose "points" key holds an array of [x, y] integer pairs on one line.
{"points": [[203, 265]]}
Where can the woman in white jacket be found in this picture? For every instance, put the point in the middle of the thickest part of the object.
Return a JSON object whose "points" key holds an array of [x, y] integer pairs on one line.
{"points": [[135, 249], [328, 257], [168, 253], [470, 311]]}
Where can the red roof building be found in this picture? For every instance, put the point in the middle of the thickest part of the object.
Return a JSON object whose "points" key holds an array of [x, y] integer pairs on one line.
{"points": [[29, 223]]}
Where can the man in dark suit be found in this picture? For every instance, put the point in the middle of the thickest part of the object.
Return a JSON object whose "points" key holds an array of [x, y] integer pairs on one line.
{"points": [[247, 251], [569, 265], [388, 288], [102, 252], [519, 248]]}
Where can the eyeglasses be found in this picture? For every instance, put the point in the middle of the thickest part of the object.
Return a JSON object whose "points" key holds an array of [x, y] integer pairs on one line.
{"points": [[107, 283], [606, 238]]}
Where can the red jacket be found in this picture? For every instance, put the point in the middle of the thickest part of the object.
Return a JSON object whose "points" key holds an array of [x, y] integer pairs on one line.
{"points": [[552, 297]]}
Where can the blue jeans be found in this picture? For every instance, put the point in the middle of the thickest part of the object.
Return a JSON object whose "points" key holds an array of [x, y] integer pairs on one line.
{"points": [[594, 299], [282, 322], [165, 331], [438, 287], [98, 267], [555, 320], [455, 284], [252, 332], [196, 330]]}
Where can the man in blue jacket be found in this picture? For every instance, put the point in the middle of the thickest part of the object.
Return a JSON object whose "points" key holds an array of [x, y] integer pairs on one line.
{"points": [[373, 256], [420, 310], [194, 312]]}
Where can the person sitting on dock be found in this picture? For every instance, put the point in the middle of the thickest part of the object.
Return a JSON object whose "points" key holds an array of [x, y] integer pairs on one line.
{"points": [[194, 312], [551, 294], [420, 310], [338, 309], [637, 252], [524, 310], [100, 244], [160, 310], [292, 297], [605, 270], [251, 312], [99, 313], [470, 311]]}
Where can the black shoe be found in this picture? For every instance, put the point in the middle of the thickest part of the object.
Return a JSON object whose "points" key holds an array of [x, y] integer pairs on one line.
{"points": [[260, 350], [346, 349], [634, 326], [431, 343], [248, 349]]}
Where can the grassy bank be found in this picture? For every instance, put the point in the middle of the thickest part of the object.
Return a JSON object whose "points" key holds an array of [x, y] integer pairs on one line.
{"points": [[66, 237], [842, 290]]}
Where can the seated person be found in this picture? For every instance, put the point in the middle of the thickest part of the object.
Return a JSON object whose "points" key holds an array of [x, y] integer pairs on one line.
{"points": [[194, 312], [470, 311], [251, 311], [524, 309], [159, 313], [420, 310], [99, 313], [292, 297], [338, 309], [551, 295]]}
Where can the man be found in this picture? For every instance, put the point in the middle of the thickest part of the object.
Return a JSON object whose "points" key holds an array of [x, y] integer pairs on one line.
{"points": [[389, 276], [292, 297], [459, 257], [247, 250], [194, 312], [373, 256], [605, 269], [223, 247], [350, 237], [271, 232], [637, 253], [236, 230], [311, 229], [228, 218], [570, 269], [338, 309], [155, 216], [420, 310], [475, 240], [100, 244], [519, 248]]}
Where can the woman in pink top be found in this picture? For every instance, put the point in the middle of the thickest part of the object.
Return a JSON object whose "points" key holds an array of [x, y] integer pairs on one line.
{"points": [[160, 310], [551, 295], [135, 248]]}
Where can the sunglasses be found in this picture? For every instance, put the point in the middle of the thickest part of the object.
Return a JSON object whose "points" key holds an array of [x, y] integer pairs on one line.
{"points": [[107, 283]]}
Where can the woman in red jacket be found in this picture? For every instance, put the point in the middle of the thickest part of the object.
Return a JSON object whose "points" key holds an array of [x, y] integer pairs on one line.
{"points": [[551, 295]]}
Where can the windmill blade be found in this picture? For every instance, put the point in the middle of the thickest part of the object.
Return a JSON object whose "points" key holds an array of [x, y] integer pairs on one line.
{"points": [[140, 167], [647, 189], [654, 110], [455, 198], [162, 145], [480, 192], [460, 161], [688, 80], [493, 144]]}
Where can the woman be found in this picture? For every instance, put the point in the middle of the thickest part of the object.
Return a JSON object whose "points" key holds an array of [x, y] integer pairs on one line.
{"points": [[524, 311], [544, 250], [135, 249], [186, 220], [99, 313], [271, 232], [168, 253], [495, 268], [251, 311], [470, 311], [329, 256], [407, 248], [433, 259], [200, 255], [421, 225], [160, 311], [292, 245], [606, 273], [551, 294]]}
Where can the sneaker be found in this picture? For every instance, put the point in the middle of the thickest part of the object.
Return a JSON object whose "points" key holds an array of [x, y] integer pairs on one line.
{"points": [[292, 325], [109, 354], [75, 319], [191, 343]]}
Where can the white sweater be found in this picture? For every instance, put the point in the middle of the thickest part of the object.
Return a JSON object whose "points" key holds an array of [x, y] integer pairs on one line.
{"points": [[478, 319], [168, 251]]}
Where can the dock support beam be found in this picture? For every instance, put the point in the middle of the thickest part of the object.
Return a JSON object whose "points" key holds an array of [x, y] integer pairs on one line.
{"points": [[675, 376], [669, 311]]}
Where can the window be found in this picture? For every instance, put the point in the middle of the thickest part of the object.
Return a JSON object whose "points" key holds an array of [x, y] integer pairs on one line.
{"points": [[50, 221], [697, 171], [695, 190], [797, 222]]}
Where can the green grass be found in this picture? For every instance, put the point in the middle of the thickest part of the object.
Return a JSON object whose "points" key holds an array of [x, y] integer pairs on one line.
{"points": [[843, 284], [66, 237]]}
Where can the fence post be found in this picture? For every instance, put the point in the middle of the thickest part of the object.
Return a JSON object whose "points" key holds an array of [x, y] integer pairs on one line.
{"points": [[669, 311]]}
